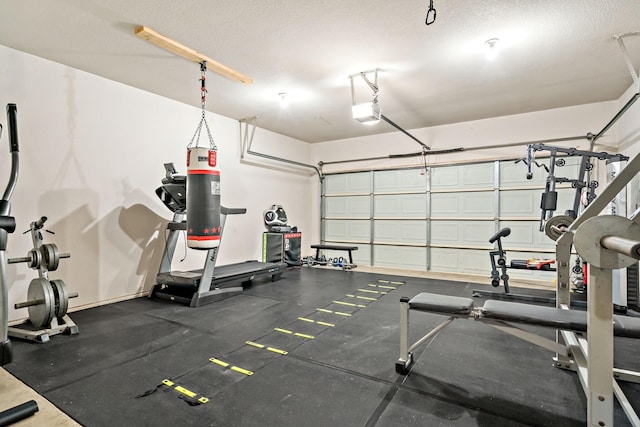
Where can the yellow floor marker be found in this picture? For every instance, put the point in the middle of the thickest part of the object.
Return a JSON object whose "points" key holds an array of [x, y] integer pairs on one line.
{"points": [[331, 325], [190, 394], [372, 292], [304, 319], [233, 368], [360, 297], [298, 334], [271, 349], [349, 304], [339, 313]]}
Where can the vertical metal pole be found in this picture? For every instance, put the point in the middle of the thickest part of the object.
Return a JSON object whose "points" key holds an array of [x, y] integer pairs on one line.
{"points": [[581, 177], [322, 211], [550, 187], [600, 348], [496, 196], [4, 293], [371, 216], [428, 219], [210, 263], [563, 276], [404, 329]]}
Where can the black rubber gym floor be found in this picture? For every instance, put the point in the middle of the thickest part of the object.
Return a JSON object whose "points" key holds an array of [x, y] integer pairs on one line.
{"points": [[316, 348]]}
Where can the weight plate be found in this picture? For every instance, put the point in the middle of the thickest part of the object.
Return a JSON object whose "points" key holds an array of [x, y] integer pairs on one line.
{"points": [[556, 223], [41, 314], [589, 234], [50, 256], [35, 259], [62, 300]]}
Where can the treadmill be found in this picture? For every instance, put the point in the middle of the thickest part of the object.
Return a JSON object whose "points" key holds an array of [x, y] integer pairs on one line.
{"points": [[211, 283]]}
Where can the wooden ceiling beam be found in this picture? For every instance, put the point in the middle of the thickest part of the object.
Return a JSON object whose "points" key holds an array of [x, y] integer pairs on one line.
{"points": [[190, 54]]}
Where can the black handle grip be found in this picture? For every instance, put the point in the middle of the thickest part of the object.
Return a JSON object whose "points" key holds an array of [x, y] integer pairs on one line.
{"points": [[18, 413], [12, 119], [39, 223]]}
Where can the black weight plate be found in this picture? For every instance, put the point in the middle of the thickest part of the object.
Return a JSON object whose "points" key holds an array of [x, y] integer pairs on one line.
{"points": [[62, 303]]}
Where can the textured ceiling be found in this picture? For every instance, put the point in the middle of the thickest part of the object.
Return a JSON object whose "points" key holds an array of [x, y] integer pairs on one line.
{"points": [[554, 54]]}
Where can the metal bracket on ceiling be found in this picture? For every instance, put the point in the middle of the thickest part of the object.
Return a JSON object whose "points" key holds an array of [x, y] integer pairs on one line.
{"points": [[373, 86], [375, 89], [247, 131], [634, 74]]}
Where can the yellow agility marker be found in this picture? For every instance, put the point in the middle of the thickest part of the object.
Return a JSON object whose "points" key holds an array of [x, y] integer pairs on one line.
{"points": [[190, 394], [277, 351]]}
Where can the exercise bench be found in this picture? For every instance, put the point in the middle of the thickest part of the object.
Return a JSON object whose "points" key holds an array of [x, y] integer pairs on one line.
{"points": [[500, 314], [349, 249]]}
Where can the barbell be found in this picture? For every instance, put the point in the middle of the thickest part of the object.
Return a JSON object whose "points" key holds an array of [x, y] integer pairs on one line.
{"points": [[47, 256], [608, 241]]}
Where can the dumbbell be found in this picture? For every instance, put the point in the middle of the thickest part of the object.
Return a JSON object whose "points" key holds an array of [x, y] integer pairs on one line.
{"points": [[47, 256], [46, 299]]}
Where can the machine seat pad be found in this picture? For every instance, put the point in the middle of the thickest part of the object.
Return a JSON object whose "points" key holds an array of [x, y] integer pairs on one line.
{"points": [[444, 304], [574, 320], [553, 317]]}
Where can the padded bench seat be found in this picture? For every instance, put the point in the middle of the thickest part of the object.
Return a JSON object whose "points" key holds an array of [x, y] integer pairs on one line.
{"points": [[349, 249], [573, 320], [444, 304]]}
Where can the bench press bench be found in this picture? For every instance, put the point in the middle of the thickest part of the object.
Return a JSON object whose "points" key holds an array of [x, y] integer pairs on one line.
{"points": [[499, 314], [349, 249]]}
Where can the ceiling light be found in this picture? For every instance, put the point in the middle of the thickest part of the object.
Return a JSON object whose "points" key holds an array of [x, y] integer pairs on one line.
{"points": [[367, 113], [284, 101], [491, 48]]}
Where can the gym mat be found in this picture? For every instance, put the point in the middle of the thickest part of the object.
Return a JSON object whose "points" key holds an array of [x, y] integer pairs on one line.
{"points": [[316, 348]]}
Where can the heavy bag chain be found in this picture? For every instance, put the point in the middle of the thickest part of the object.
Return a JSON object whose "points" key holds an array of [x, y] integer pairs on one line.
{"points": [[203, 102]]}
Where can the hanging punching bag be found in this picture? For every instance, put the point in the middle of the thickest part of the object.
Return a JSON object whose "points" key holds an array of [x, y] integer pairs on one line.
{"points": [[203, 198]]}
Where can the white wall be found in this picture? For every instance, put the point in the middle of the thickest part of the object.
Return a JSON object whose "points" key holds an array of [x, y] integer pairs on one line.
{"points": [[92, 154]]}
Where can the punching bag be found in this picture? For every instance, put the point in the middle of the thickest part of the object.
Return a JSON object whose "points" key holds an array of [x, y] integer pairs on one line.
{"points": [[203, 198]]}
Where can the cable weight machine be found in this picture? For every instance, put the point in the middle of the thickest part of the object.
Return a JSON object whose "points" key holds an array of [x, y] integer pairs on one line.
{"points": [[553, 226]]}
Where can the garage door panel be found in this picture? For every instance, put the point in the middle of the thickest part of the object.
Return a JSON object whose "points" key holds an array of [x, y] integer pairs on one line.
{"points": [[479, 175], [514, 174], [394, 180], [347, 230], [400, 205], [342, 207], [526, 235], [526, 203], [462, 233], [463, 204], [414, 258], [351, 183], [467, 261], [398, 231]]}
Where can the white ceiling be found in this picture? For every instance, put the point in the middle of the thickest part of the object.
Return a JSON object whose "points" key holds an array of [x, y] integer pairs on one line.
{"points": [[554, 54]]}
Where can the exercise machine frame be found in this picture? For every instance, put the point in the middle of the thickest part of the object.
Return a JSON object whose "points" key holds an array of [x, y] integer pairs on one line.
{"points": [[8, 225]]}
